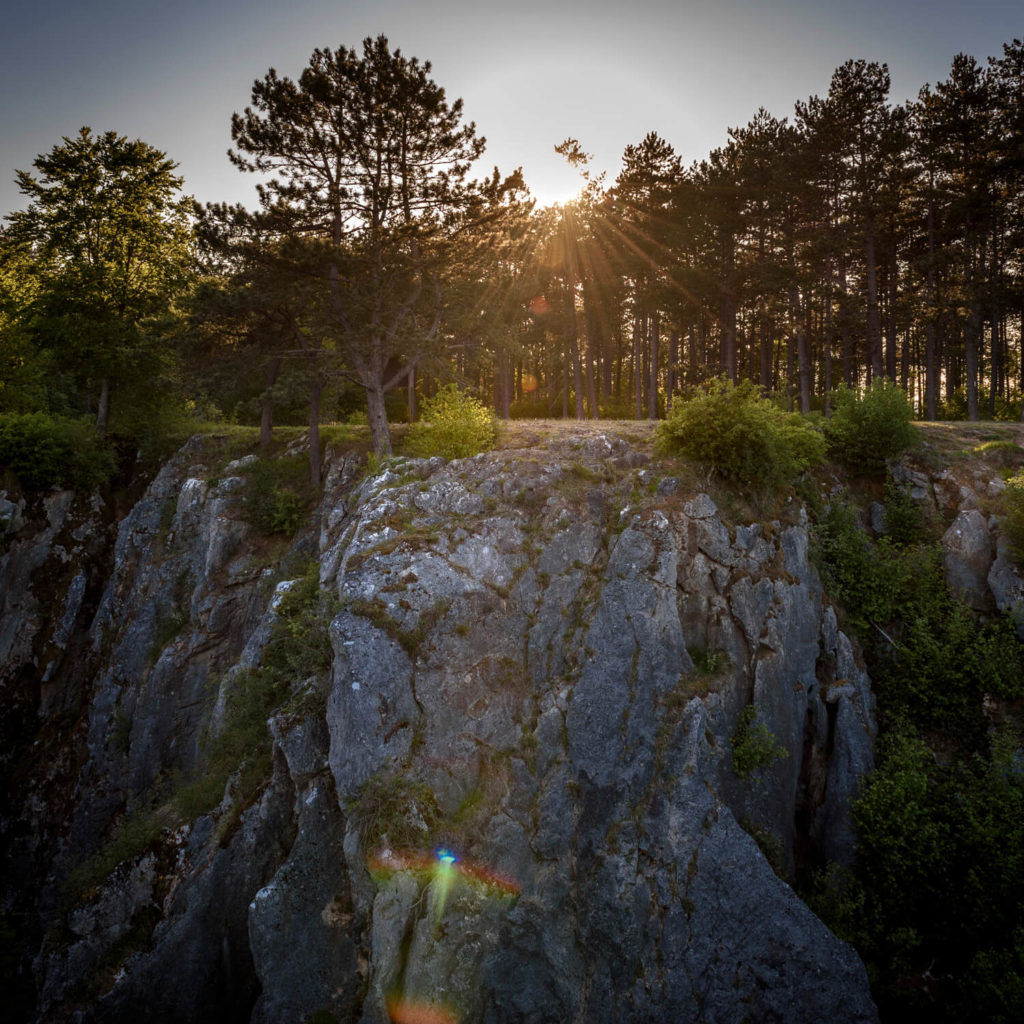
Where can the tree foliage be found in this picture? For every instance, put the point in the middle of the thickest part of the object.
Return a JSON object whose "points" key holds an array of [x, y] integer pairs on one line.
{"points": [[105, 239], [368, 168]]}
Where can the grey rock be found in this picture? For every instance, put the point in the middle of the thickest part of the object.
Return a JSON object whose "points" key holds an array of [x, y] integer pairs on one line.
{"points": [[969, 554], [701, 507], [522, 667]]}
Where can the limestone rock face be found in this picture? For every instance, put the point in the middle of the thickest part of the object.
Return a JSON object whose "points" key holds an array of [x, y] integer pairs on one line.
{"points": [[511, 798], [976, 554], [970, 552]]}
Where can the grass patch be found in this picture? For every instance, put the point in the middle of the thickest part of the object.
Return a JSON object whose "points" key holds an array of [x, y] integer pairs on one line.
{"points": [[411, 639], [394, 810]]}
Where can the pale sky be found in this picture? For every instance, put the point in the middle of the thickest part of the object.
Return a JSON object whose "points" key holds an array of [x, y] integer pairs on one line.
{"points": [[530, 73]]}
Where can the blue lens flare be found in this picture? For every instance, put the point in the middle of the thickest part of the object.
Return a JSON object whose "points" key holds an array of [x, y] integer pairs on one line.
{"points": [[446, 856]]}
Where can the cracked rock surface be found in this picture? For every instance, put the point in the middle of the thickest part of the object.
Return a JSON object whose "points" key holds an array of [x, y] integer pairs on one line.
{"points": [[539, 659]]}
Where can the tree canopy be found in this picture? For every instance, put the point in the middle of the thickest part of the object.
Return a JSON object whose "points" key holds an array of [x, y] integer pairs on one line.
{"points": [[368, 168], [106, 241]]}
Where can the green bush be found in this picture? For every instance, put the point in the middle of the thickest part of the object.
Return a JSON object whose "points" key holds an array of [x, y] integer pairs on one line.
{"points": [[394, 810], [754, 748], [867, 428], [48, 451], [454, 425], [933, 660], [278, 494], [939, 882], [741, 435], [866, 578]]}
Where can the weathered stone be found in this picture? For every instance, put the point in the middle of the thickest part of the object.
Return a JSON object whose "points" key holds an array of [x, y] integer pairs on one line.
{"points": [[504, 654], [969, 553]]}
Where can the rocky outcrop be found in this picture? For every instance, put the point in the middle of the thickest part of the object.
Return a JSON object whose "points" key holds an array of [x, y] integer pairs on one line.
{"points": [[979, 567], [541, 661]]}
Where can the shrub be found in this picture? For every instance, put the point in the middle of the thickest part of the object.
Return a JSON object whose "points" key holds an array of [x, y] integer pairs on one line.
{"points": [[903, 519], [278, 494], [741, 435], [937, 885], [48, 451], [753, 746], [869, 427], [454, 425], [865, 578], [394, 810]]}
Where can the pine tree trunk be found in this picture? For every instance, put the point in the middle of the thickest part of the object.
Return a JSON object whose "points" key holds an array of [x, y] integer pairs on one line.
{"points": [[103, 408], [673, 363], [410, 396], [267, 407], [931, 365], [874, 325], [637, 368], [972, 339], [380, 433], [652, 387], [314, 432], [728, 353], [890, 320]]}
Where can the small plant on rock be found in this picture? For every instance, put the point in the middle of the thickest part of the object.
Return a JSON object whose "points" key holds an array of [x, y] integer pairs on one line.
{"points": [[754, 748]]}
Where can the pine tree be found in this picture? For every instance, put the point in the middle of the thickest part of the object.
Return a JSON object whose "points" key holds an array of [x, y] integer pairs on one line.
{"points": [[370, 164]]}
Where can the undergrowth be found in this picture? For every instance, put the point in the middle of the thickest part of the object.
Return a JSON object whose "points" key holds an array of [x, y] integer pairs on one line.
{"points": [[934, 900]]}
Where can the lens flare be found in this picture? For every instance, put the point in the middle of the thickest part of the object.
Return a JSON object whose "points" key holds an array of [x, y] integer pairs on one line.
{"points": [[406, 1011], [444, 863], [443, 875]]}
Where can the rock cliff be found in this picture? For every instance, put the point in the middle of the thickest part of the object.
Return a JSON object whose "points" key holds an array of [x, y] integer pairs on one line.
{"points": [[575, 734]]}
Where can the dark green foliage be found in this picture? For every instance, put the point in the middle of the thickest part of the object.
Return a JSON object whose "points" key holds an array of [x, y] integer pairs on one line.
{"points": [[867, 428], [106, 243], [754, 748], [947, 661], [1012, 523], [135, 833], [866, 578], [740, 435], [707, 661], [278, 495], [937, 885], [939, 882], [903, 518], [933, 660], [47, 451]]}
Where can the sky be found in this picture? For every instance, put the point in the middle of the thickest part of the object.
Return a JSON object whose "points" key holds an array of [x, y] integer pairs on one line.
{"points": [[530, 73]]}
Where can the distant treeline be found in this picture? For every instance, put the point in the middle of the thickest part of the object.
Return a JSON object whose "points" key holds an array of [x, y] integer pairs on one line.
{"points": [[855, 239]]}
